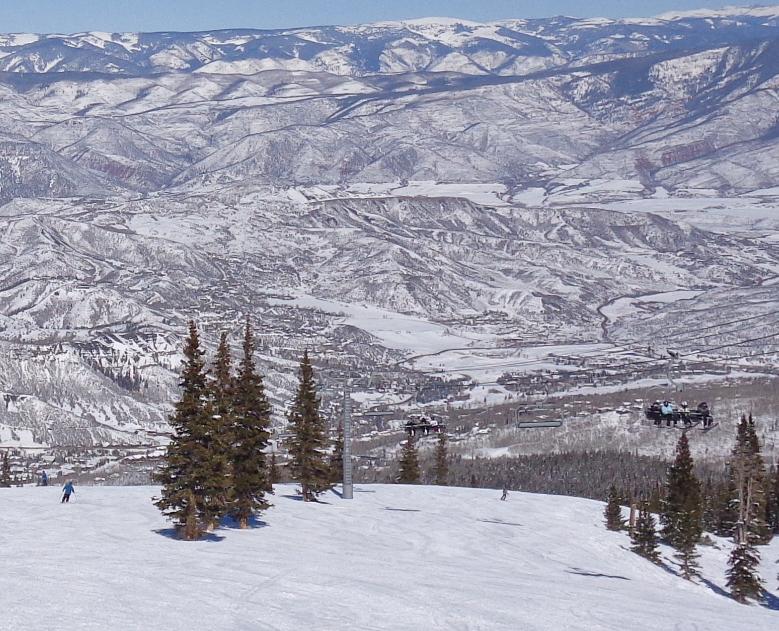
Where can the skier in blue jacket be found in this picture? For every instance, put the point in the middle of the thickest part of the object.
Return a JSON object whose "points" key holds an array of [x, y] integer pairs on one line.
{"points": [[67, 490]]}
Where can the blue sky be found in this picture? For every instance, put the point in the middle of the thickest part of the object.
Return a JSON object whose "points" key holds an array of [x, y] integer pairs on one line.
{"points": [[187, 15]]}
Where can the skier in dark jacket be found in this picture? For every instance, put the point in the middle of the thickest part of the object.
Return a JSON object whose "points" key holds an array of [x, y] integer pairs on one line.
{"points": [[67, 490]]}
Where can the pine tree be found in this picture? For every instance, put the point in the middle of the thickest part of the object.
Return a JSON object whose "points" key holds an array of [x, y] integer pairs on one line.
{"points": [[743, 578], [337, 457], [5, 473], [409, 463], [220, 389], [193, 477], [308, 460], [613, 511], [273, 471], [772, 509], [251, 418], [759, 528], [442, 461], [681, 516], [748, 476], [644, 536], [656, 498], [727, 509]]}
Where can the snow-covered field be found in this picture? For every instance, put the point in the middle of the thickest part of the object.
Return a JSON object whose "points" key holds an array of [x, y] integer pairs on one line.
{"points": [[393, 558]]}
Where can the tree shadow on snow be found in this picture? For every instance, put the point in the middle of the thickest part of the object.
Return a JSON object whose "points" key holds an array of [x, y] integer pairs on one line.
{"points": [[767, 599], [770, 601], [232, 524], [171, 533], [713, 587], [299, 498], [581, 572], [499, 521]]}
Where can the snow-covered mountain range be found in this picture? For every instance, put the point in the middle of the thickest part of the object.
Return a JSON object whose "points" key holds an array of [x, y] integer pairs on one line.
{"points": [[374, 192]]}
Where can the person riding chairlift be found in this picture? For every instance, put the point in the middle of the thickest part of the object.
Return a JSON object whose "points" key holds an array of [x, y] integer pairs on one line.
{"points": [[654, 410], [685, 414], [667, 410], [703, 409]]}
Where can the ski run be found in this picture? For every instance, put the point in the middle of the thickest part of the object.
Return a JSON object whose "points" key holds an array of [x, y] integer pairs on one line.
{"points": [[394, 558]]}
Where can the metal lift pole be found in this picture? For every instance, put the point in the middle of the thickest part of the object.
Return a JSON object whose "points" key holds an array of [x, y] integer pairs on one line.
{"points": [[348, 489]]}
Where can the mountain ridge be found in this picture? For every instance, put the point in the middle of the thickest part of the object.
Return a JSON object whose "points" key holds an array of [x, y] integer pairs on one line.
{"points": [[374, 193]]}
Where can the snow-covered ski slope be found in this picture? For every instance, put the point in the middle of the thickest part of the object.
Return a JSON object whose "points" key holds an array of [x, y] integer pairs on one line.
{"points": [[395, 557]]}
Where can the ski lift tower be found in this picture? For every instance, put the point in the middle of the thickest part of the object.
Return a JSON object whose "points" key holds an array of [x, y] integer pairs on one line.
{"points": [[347, 492]]}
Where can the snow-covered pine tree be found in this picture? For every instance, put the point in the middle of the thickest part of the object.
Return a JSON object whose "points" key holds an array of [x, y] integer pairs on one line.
{"points": [[772, 510], [442, 461], [409, 463], [644, 535], [193, 476], [759, 528], [613, 511], [747, 473], [727, 509], [308, 464], [337, 456], [220, 388], [681, 515], [743, 579], [250, 437], [273, 472], [5, 472]]}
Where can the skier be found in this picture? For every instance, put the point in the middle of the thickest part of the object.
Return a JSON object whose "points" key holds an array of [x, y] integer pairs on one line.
{"points": [[505, 494], [44, 479], [67, 490]]}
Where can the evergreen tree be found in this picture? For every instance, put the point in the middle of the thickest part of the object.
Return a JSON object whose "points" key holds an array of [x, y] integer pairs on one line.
{"points": [[409, 463], [644, 536], [613, 511], [442, 461], [772, 509], [748, 476], [750, 505], [193, 477], [681, 516], [308, 460], [759, 528], [656, 498], [273, 471], [727, 509], [5, 473], [743, 578], [251, 418], [337, 457], [220, 388]]}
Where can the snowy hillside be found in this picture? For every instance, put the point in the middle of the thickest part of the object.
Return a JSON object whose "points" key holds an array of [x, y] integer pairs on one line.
{"points": [[395, 558], [412, 200]]}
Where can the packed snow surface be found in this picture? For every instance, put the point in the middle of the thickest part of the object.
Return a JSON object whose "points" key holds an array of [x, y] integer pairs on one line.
{"points": [[395, 557]]}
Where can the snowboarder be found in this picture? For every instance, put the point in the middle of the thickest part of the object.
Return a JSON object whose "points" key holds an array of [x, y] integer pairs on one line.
{"points": [[67, 490], [505, 494]]}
